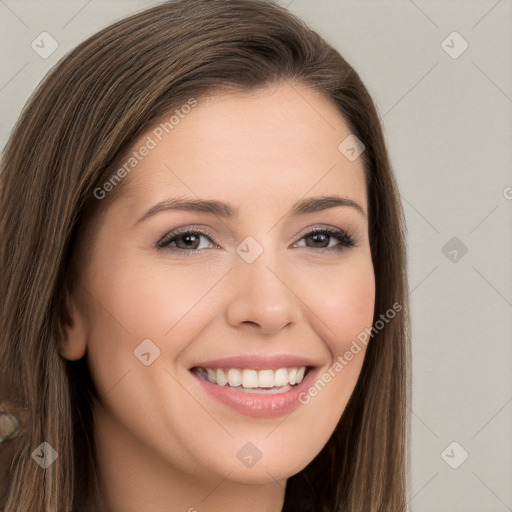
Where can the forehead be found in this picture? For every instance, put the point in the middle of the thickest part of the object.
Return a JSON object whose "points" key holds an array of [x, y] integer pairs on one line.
{"points": [[277, 143]]}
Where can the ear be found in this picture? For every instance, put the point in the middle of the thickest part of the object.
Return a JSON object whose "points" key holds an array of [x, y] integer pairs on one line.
{"points": [[73, 328]]}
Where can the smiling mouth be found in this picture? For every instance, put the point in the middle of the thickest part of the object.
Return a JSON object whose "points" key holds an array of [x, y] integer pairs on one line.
{"points": [[248, 380]]}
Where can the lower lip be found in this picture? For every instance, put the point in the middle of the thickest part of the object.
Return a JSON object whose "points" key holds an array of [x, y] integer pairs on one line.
{"points": [[258, 405]]}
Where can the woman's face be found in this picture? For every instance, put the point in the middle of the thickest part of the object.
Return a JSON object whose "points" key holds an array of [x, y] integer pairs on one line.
{"points": [[244, 286]]}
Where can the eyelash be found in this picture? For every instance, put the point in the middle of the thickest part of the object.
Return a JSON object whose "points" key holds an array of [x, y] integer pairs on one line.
{"points": [[342, 236]]}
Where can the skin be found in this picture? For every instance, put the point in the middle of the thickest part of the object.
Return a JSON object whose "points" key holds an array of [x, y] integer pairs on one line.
{"points": [[164, 444]]}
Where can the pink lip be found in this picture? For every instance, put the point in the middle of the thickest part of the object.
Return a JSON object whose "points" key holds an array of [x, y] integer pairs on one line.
{"points": [[253, 404], [258, 362]]}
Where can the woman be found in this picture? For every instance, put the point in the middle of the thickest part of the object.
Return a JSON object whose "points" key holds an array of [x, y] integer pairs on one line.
{"points": [[265, 368]]}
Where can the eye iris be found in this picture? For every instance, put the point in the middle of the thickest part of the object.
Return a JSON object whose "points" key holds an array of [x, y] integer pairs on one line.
{"points": [[320, 237], [191, 240]]}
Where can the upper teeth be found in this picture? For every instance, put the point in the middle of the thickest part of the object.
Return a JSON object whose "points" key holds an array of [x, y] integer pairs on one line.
{"points": [[248, 378]]}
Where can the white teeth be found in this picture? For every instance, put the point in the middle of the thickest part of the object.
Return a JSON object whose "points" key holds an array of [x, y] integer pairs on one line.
{"points": [[222, 380], [248, 378], [234, 377], [212, 375], [281, 377], [265, 378]]}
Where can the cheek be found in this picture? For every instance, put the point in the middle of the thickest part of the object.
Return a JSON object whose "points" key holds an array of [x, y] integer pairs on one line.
{"points": [[133, 302], [152, 300], [343, 298], [341, 308]]}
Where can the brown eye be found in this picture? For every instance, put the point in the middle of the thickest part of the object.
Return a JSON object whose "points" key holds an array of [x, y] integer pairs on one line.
{"points": [[189, 241], [322, 238], [319, 239]]}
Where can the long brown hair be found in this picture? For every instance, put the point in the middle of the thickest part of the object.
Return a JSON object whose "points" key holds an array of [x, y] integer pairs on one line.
{"points": [[73, 132]]}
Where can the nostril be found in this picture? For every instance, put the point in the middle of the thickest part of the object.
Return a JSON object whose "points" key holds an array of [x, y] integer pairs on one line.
{"points": [[250, 322]]}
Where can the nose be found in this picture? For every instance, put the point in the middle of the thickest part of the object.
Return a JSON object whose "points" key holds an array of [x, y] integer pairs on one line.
{"points": [[263, 297]]}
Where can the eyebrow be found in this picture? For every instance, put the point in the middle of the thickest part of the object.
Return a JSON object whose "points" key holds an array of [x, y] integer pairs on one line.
{"points": [[225, 210]]}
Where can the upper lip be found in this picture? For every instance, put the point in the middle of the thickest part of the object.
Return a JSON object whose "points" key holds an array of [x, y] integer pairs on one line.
{"points": [[258, 362]]}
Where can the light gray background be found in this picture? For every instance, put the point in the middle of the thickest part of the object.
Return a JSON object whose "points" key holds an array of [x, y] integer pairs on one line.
{"points": [[448, 125]]}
